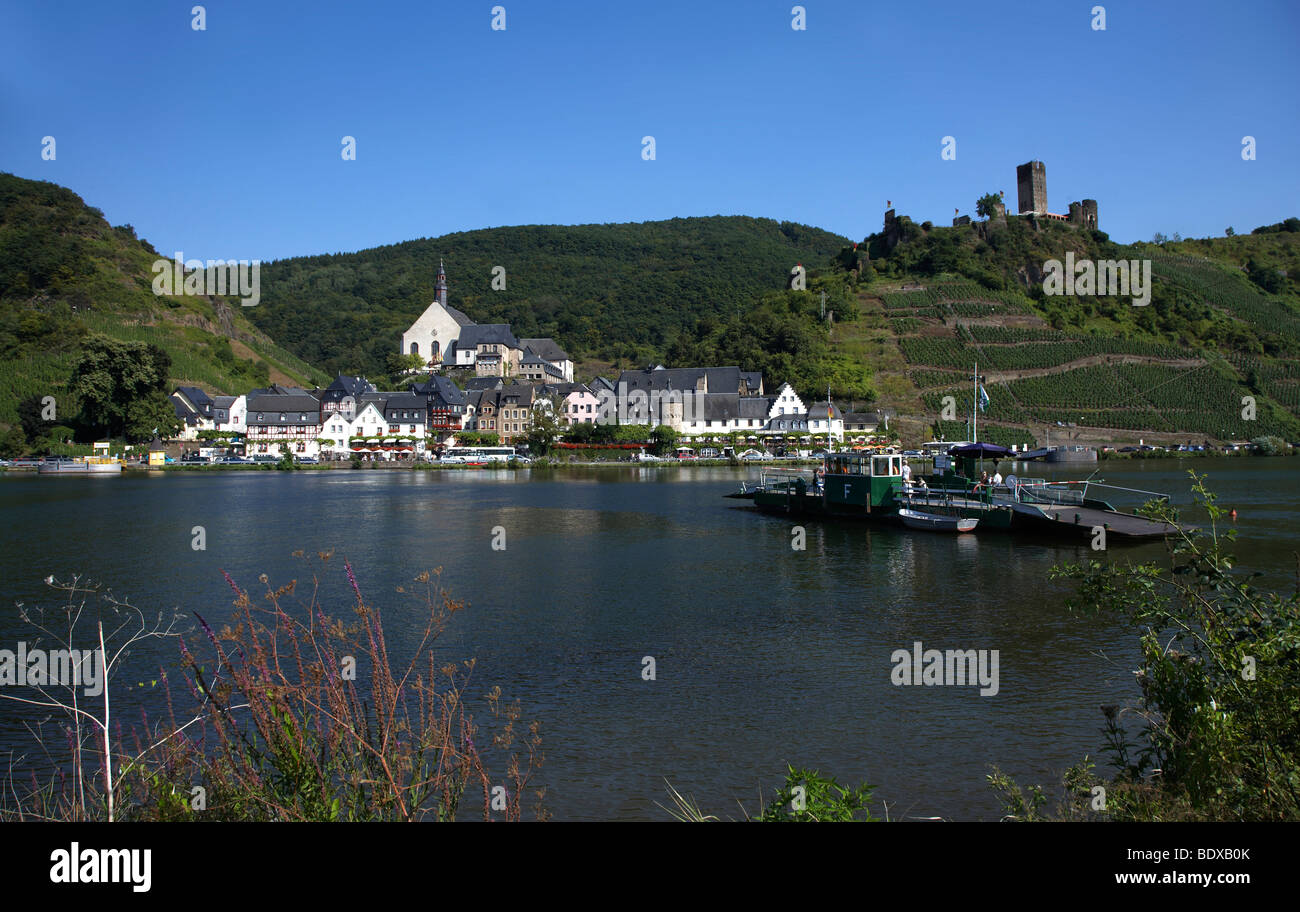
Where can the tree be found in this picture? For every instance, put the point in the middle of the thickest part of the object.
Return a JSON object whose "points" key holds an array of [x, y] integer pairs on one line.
{"points": [[12, 443], [400, 366], [286, 463], [543, 430], [30, 415], [987, 205], [1214, 732], [1229, 232], [663, 440], [122, 387]]}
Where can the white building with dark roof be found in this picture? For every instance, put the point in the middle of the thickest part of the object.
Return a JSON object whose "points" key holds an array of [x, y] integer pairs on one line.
{"points": [[283, 415], [436, 330], [445, 337]]}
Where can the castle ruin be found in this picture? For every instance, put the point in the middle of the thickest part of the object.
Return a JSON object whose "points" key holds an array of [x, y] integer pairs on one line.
{"points": [[1031, 186]]}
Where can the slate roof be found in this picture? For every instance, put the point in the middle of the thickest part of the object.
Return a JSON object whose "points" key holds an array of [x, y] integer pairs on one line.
{"points": [[817, 411], [563, 389], [397, 403], [459, 317], [290, 401], [440, 391], [716, 379], [483, 383], [756, 406], [477, 334], [346, 386], [720, 407], [202, 401], [545, 348]]}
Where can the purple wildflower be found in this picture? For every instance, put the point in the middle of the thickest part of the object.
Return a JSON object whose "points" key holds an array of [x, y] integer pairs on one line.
{"points": [[212, 638], [232, 584], [353, 580]]}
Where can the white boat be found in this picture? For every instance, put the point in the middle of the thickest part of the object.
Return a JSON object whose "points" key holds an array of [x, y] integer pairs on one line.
{"points": [[915, 519], [83, 465]]}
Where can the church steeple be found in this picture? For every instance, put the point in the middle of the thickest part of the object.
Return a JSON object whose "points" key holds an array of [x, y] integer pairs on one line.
{"points": [[440, 286]]}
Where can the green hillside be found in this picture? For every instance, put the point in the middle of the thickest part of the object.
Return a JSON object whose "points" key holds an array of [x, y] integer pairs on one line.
{"points": [[65, 274], [1223, 323], [621, 293], [906, 313]]}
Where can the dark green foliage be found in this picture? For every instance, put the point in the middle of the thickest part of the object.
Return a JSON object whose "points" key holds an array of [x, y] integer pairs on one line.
{"points": [[987, 205], [783, 337], [616, 292], [64, 272], [544, 429], [1218, 718], [1289, 225], [122, 388], [810, 797]]}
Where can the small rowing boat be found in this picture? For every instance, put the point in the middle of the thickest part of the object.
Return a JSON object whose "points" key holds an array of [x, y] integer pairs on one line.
{"points": [[915, 519]]}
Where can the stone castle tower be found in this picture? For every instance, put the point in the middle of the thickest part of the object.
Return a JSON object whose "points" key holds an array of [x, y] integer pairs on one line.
{"points": [[1031, 185]]}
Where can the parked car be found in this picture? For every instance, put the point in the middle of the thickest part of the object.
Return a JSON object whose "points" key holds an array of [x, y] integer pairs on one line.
{"points": [[265, 459], [522, 460], [307, 460]]}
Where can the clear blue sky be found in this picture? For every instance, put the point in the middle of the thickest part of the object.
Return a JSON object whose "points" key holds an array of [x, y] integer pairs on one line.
{"points": [[226, 142]]}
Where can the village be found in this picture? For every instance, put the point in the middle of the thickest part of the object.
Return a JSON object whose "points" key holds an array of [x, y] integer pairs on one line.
{"points": [[506, 385]]}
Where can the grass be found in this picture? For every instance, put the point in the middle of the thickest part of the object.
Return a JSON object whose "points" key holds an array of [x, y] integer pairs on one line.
{"points": [[294, 715]]}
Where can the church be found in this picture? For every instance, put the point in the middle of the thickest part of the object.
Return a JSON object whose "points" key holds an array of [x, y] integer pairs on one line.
{"points": [[445, 337]]}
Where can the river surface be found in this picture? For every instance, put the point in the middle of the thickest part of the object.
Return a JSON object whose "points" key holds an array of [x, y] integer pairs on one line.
{"points": [[764, 655]]}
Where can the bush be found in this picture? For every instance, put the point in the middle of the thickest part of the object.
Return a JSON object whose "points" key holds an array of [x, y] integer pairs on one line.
{"points": [[282, 726], [1218, 718]]}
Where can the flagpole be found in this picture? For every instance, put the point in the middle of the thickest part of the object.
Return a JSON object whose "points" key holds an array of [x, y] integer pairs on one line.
{"points": [[974, 406]]}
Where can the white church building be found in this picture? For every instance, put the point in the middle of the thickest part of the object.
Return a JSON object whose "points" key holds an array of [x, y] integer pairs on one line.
{"points": [[445, 337]]}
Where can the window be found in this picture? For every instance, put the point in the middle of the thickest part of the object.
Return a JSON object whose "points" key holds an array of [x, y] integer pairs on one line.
{"points": [[282, 416]]}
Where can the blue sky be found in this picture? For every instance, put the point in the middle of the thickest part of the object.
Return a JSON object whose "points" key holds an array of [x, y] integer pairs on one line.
{"points": [[226, 142]]}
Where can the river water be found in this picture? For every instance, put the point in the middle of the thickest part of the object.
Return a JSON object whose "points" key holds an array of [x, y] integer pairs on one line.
{"points": [[764, 655]]}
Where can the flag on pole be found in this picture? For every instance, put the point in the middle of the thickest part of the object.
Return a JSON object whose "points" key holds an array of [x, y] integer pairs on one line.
{"points": [[984, 397]]}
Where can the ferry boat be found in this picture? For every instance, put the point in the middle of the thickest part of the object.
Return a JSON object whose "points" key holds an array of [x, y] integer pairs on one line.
{"points": [[874, 487], [81, 465]]}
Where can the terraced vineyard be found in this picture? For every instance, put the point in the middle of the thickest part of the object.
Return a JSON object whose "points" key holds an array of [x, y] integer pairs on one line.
{"points": [[1199, 400], [989, 433], [963, 299], [1230, 292], [962, 350], [1276, 378]]}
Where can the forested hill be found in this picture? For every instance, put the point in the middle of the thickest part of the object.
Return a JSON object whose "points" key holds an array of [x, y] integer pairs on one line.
{"points": [[66, 275], [609, 292]]}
